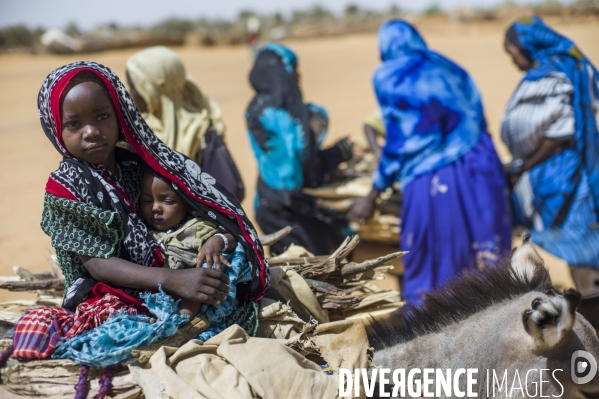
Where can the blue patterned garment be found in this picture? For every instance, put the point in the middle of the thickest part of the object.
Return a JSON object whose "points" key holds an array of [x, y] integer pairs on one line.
{"points": [[239, 272], [432, 108], [565, 188], [112, 342]]}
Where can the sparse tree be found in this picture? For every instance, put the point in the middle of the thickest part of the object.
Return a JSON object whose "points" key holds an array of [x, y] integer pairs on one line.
{"points": [[433, 9], [245, 14], [278, 18], [352, 10], [16, 36], [72, 29], [394, 10], [319, 12], [175, 25]]}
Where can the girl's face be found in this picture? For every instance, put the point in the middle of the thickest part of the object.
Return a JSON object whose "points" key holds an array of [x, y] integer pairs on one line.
{"points": [[90, 128]]}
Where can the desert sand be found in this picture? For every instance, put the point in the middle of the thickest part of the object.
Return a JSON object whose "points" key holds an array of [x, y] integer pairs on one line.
{"points": [[335, 72]]}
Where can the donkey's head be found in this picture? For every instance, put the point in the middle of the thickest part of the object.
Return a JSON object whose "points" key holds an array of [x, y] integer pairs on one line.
{"points": [[550, 316], [501, 317]]}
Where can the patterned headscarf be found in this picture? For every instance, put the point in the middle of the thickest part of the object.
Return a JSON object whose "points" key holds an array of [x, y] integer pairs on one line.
{"points": [[78, 180]]}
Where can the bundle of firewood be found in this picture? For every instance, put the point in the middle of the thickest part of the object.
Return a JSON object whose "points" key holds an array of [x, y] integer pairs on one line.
{"points": [[341, 286]]}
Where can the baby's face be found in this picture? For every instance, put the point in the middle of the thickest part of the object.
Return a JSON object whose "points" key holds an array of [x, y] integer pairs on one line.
{"points": [[161, 207]]}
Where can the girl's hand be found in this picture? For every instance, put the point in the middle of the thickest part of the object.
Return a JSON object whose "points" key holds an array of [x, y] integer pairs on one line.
{"points": [[199, 285], [211, 253]]}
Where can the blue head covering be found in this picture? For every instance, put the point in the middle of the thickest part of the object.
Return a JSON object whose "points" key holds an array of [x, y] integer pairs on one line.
{"points": [[396, 36], [287, 55], [553, 53], [432, 108]]}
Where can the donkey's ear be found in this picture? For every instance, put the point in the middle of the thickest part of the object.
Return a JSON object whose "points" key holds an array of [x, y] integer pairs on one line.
{"points": [[525, 260], [551, 318]]}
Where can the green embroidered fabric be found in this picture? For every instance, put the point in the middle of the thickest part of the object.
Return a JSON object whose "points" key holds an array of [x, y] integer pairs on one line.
{"points": [[77, 228], [246, 317]]}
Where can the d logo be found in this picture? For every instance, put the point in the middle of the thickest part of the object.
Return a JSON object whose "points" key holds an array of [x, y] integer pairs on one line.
{"points": [[583, 367]]}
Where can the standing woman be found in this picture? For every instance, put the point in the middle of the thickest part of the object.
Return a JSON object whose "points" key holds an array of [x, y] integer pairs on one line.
{"points": [[180, 114], [551, 127], [455, 214], [286, 135]]}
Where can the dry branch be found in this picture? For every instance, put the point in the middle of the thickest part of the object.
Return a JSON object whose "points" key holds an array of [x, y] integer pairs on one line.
{"points": [[274, 262], [53, 284], [269, 239], [331, 297], [355, 268]]}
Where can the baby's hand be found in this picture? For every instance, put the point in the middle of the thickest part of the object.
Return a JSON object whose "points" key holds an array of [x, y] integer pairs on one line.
{"points": [[211, 253]]}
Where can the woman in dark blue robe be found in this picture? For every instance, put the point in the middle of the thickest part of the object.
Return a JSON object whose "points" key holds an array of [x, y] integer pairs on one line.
{"points": [[455, 210]]}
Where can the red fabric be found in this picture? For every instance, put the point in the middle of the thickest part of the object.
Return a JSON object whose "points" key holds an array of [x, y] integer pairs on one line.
{"points": [[100, 289], [55, 188], [90, 315], [55, 104], [41, 330]]}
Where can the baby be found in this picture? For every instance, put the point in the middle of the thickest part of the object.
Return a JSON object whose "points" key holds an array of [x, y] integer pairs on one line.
{"points": [[187, 241]]}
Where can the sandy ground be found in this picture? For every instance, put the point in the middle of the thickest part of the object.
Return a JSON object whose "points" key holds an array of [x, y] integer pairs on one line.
{"points": [[335, 72]]}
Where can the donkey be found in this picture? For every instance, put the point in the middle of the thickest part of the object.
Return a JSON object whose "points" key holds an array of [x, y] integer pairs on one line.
{"points": [[502, 321]]}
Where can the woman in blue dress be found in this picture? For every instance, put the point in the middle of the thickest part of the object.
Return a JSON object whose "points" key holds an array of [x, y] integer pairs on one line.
{"points": [[551, 127], [286, 135], [455, 210]]}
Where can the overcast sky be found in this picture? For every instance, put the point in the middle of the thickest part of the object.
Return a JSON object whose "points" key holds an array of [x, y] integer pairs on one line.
{"points": [[89, 14]]}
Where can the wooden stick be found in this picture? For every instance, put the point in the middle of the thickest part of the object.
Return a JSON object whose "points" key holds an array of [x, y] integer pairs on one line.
{"points": [[269, 239], [355, 268], [274, 262], [343, 251], [23, 273], [56, 284]]}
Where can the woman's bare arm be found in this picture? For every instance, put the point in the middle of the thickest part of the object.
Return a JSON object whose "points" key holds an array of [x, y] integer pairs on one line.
{"points": [[372, 141], [201, 285], [548, 148]]}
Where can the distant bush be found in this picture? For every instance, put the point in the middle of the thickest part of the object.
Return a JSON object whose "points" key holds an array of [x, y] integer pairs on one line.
{"points": [[72, 29], [175, 25], [19, 36], [433, 10], [352, 9]]}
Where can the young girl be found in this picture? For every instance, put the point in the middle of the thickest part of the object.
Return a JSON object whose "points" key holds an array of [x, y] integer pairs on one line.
{"points": [[91, 206]]}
